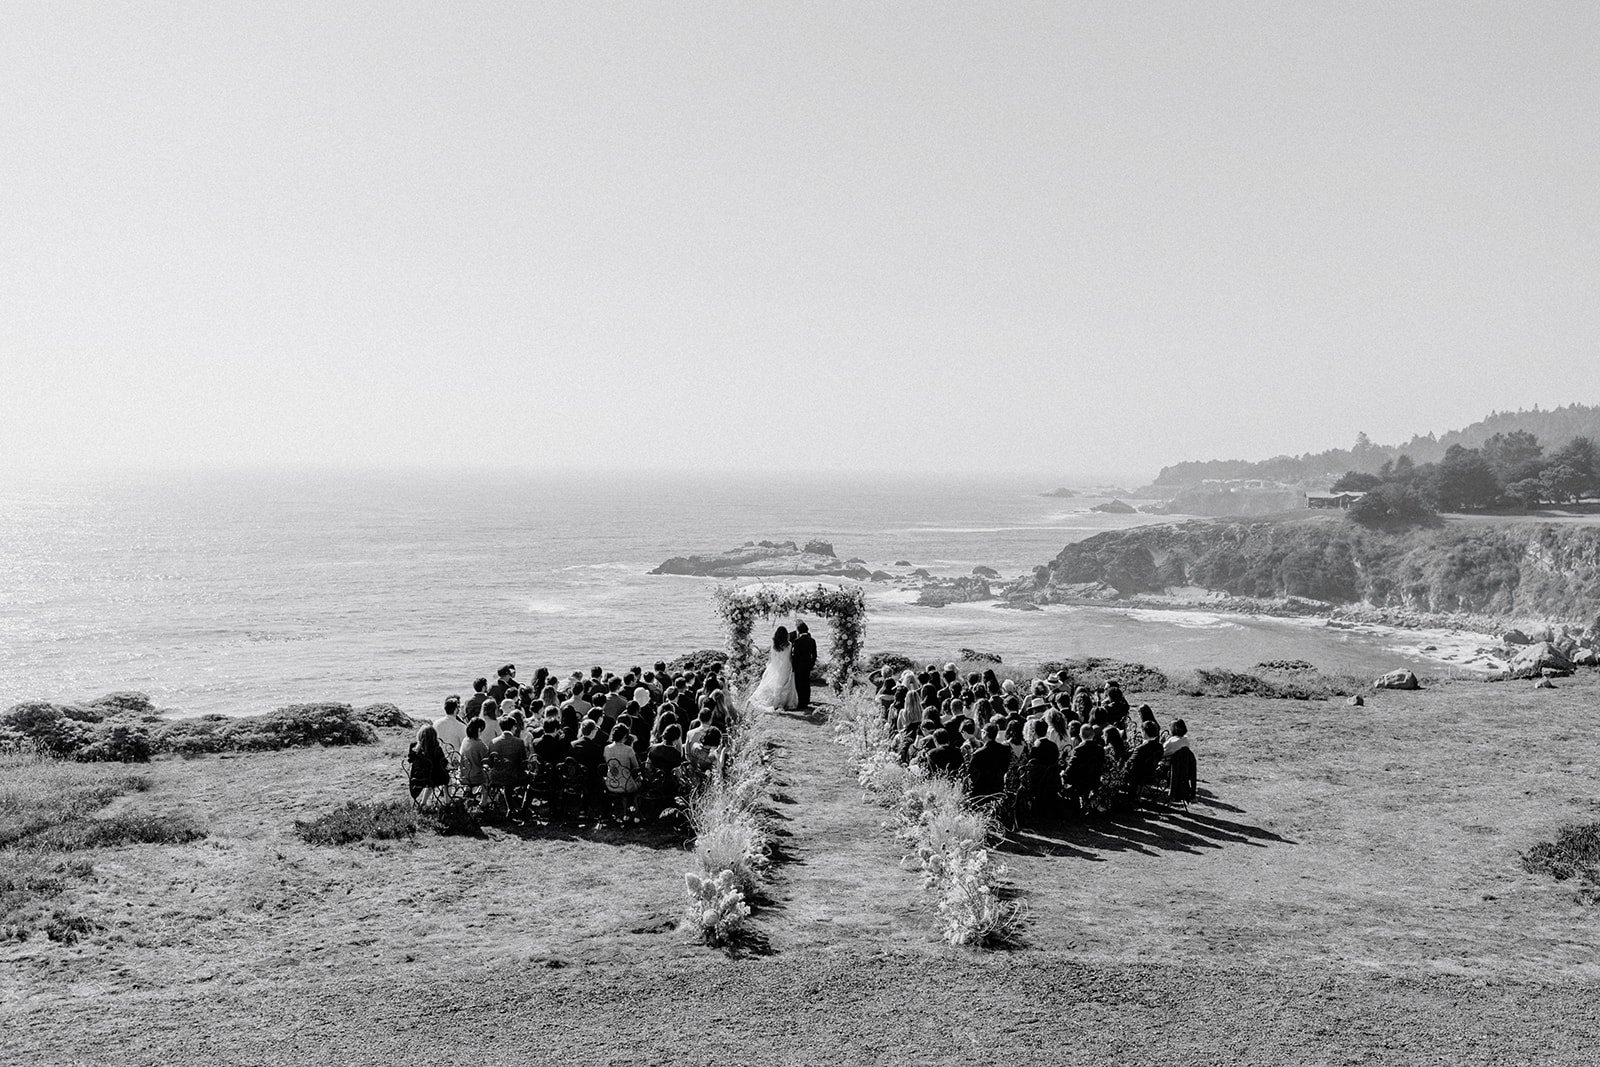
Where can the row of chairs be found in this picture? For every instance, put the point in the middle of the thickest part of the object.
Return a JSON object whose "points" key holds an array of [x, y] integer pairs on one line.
{"points": [[556, 790], [1028, 796]]}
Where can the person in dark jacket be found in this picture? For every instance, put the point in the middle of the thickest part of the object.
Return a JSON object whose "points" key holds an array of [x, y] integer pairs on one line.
{"points": [[1088, 760], [945, 759], [986, 773], [1146, 758], [803, 657]]}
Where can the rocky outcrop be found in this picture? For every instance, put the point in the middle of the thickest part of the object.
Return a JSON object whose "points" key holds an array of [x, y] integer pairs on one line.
{"points": [[1116, 507], [768, 559], [938, 592], [985, 572], [1539, 660], [1401, 679], [1062, 493], [1505, 572]]}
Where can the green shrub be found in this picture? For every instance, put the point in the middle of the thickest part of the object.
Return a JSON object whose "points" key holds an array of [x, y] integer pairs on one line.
{"points": [[384, 820], [116, 743], [138, 828], [1096, 670], [386, 716], [706, 659], [893, 662], [1574, 854], [295, 726], [44, 726]]}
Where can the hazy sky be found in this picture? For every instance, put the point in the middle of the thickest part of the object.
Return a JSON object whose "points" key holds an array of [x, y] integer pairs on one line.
{"points": [[1070, 238]]}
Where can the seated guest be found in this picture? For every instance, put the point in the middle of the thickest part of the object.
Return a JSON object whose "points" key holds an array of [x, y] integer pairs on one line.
{"points": [[549, 699], [703, 752], [1019, 747], [1146, 715], [1082, 704], [504, 679], [490, 714], [698, 730], [474, 757], [510, 752], [1044, 755], [1057, 733], [1178, 739], [623, 773], [1116, 744], [588, 750], [945, 758], [1146, 758], [665, 756], [552, 748], [451, 730], [430, 772], [986, 772], [1088, 761], [480, 693]]}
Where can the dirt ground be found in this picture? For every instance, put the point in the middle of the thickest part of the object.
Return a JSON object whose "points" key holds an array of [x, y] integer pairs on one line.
{"points": [[1347, 892]]}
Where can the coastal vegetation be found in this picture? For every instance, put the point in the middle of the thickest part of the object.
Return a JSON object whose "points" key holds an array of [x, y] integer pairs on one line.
{"points": [[1555, 426], [127, 728]]}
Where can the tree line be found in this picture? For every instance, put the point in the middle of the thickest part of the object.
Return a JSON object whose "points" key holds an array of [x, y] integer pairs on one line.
{"points": [[1510, 471]]}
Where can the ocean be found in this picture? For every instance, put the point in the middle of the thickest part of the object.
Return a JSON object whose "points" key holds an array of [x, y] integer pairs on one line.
{"points": [[240, 592]]}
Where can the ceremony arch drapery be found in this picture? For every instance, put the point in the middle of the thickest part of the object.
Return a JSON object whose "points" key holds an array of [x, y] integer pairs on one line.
{"points": [[844, 606]]}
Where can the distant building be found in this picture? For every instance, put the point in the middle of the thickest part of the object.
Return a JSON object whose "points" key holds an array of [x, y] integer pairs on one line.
{"points": [[1331, 501]]}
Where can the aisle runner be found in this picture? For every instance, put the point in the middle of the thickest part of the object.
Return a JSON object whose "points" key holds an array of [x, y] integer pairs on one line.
{"points": [[841, 877]]}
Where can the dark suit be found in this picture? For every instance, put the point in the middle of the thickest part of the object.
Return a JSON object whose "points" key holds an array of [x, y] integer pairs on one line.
{"points": [[803, 657]]}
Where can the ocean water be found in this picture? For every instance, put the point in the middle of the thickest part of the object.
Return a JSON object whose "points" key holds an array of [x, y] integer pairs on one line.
{"points": [[237, 592]]}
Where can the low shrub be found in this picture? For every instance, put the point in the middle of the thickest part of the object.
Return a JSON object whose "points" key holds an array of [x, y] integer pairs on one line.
{"points": [[893, 662], [40, 725], [116, 743], [1095, 671], [295, 726], [716, 905], [386, 716], [972, 655], [1573, 855], [384, 820], [700, 662], [140, 828], [1298, 685]]}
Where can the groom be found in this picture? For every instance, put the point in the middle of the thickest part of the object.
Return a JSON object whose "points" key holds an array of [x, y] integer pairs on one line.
{"points": [[803, 655]]}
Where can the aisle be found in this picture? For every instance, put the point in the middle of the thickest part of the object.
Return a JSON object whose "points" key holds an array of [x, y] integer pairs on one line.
{"points": [[839, 880]]}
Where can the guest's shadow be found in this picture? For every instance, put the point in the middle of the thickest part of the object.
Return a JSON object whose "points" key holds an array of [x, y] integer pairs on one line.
{"points": [[1148, 830]]}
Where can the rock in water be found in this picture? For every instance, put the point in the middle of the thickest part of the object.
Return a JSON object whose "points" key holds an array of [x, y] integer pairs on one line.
{"points": [[1401, 679], [981, 571], [1539, 659], [1116, 507], [1516, 637]]}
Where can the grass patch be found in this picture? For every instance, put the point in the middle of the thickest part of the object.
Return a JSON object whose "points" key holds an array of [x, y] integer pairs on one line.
{"points": [[1573, 855], [1095, 671], [1292, 681], [49, 807], [384, 820]]}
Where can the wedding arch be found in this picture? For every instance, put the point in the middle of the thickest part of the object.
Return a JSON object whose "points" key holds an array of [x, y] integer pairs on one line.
{"points": [[844, 606]]}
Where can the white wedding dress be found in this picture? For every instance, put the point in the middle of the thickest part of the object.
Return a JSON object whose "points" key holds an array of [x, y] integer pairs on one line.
{"points": [[776, 689]]}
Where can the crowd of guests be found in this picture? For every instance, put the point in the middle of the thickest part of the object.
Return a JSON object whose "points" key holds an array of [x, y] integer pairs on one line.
{"points": [[1057, 747], [619, 742]]}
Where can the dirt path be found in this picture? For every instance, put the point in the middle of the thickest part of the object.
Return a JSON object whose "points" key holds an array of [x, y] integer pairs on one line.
{"points": [[839, 878]]}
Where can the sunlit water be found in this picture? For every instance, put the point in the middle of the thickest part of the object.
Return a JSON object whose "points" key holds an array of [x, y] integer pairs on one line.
{"points": [[238, 593]]}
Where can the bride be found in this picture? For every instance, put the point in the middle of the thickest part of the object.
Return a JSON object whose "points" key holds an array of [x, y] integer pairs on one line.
{"points": [[777, 689]]}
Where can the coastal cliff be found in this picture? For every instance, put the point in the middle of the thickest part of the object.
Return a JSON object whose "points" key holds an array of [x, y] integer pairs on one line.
{"points": [[1506, 571]]}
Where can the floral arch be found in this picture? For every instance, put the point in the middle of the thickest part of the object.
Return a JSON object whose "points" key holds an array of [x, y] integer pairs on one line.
{"points": [[844, 606]]}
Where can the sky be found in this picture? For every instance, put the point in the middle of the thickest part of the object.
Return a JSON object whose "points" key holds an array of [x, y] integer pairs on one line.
{"points": [[1075, 239]]}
